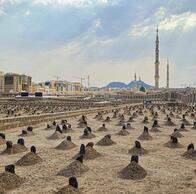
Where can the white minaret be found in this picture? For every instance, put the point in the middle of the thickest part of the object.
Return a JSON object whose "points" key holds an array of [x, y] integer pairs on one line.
{"points": [[167, 74], [139, 84], [157, 61], [135, 81]]}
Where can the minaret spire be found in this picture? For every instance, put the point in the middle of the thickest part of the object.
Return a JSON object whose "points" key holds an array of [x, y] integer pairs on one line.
{"points": [[135, 81], [157, 61], [139, 83], [167, 73]]}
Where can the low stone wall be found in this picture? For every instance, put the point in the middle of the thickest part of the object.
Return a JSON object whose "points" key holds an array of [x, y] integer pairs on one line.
{"points": [[8, 123]]}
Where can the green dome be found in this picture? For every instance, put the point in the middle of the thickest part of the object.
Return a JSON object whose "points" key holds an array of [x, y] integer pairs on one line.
{"points": [[142, 89]]}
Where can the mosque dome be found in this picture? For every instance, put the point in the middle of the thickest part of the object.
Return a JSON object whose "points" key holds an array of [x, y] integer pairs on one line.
{"points": [[142, 89]]}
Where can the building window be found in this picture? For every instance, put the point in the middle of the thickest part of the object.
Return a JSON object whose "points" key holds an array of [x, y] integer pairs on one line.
{"points": [[9, 80]]}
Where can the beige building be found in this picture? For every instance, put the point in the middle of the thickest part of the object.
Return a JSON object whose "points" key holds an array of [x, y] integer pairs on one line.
{"points": [[15, 83], [12, 83], [33, 88], [59, 87], [26, 83], [1, 82], [75, 87]]}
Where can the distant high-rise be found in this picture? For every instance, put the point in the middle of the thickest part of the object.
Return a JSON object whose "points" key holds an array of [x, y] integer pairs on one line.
{"points": [[157, 61], [167, 74]]}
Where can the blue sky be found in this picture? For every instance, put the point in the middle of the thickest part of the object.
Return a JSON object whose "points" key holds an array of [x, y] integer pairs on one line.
{"points": [[109, 40]]}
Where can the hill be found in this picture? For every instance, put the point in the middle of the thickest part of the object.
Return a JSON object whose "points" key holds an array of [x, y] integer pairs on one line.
{"points": [[131, 85]]}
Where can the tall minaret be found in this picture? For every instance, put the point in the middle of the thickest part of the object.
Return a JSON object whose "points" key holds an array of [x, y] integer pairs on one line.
{"points": [[157, 61], [135, 81], [139, 84], [167, 74]]}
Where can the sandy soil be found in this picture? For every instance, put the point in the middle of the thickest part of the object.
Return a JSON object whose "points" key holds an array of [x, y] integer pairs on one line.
{"points": [[167, 171]]}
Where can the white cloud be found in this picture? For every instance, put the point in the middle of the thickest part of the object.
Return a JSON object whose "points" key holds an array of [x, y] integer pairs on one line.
{"points": [[27, 13], [2, 12], [80, 3], [161, 13], [11, 1], [181, 22], [63, 2]]}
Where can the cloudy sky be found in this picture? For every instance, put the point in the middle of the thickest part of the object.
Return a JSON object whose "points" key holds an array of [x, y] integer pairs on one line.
{"points": [[109, 40]]}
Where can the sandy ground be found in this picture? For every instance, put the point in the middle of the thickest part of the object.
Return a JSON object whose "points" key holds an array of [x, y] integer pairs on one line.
{"points": [[167, 171]]}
